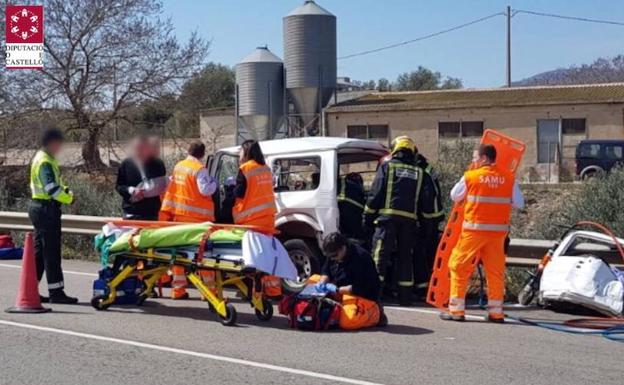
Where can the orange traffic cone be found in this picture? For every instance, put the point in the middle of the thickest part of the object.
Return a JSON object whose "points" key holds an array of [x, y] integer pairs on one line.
{"points": [[28, 300]]}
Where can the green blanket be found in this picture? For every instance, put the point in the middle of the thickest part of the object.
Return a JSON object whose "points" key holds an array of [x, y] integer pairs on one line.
{"points": [[174, 236]]}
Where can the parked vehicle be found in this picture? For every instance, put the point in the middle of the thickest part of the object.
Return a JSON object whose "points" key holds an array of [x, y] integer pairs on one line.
{"points": [[595, 156], [305, 172]]}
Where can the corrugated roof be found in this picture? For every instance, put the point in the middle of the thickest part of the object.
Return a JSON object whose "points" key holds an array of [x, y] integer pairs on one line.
{"points": [[485, 98], [309, 7], [261, 54]]}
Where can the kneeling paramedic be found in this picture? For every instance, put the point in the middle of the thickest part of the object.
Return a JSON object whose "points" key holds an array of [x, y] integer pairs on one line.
{"points": [[350, 272], [189, 199], [490, 193], [395, 204], [48, 194]]}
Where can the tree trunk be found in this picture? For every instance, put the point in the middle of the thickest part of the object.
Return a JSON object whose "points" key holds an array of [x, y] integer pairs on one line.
{"points": [[90, 150]]}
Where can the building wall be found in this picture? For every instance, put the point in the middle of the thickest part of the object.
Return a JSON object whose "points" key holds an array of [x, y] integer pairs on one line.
{"points": [[603, 121]]}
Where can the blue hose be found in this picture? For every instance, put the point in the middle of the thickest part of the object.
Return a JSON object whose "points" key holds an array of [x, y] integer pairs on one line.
{"points": [[615, 333]]}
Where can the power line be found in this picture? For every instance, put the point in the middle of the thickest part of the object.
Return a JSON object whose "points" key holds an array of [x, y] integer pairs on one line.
{"points": [[575, 18], [423, 37]]}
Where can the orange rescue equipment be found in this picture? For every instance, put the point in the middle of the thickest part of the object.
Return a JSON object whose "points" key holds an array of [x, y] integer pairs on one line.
{"points": [[257, 207], [509, 152], [183, 202]]}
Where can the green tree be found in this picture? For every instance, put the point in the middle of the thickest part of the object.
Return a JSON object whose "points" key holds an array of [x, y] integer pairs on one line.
{"points": [[383, 84], [425, 79], [104, 57], [212, 87]]}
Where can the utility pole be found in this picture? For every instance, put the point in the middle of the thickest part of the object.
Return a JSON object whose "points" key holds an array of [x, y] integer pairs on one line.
{"points": [[508, 46]]}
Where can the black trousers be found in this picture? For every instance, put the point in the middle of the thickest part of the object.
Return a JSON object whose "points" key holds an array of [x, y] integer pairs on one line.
{"points": [[46, 219], [425, 249], [395, 233]]}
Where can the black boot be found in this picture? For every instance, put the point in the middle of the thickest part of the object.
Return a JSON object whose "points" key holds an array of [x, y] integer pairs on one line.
{"points": [[62, 298], [405, 296]]}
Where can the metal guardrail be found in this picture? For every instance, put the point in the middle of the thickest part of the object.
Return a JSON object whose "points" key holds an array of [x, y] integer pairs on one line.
{"points": [[72, 224], [522, 252]]}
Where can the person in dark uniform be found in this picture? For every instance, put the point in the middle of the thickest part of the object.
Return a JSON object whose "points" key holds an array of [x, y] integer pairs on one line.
{"points": [[141, 178], [394, 206], [429, 228], [48, 194], [349, 269], [351, 200]]}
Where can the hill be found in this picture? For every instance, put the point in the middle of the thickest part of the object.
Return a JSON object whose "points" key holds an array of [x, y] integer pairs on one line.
{"points": [[603, 70]]}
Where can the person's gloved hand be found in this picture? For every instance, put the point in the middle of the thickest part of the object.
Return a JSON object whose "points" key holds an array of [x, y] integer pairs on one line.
{"points": [[331, 288], [324, 287]]}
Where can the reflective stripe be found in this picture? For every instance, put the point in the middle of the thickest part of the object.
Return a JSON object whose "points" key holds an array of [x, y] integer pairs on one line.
{"points": [[433, 215], [343, 195], [406, 283], [252, 210], [349, 200], [50, 186], [457, 304], [186, 207], [485, 199], [377, 251], [57, 192], [185, 170], [56, 285], [401, 213], [495, 307], [485, 226], [368, 210], [257, 171]]}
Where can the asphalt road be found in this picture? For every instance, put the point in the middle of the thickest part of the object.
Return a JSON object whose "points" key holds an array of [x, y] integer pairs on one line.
{"points": [[179, 342]]}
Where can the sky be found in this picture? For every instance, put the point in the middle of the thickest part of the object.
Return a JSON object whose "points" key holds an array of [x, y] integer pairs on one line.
{"points": [[475, 54]]}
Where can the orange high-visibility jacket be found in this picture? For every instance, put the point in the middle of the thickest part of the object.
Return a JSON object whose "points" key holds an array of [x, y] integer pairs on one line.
{"points": [[488, 199], [257, 207], [183, 198]]}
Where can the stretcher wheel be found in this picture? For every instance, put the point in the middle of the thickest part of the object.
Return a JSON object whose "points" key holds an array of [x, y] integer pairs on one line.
{"points": [[267, 312], [230, 315], [96, 302]]}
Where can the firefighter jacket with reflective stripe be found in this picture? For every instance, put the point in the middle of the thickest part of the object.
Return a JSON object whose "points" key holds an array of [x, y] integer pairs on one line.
{"points": [[488, 199], [45, 180], [435, 211], [398, 187], [257, 206], [351, 192], [183, 198]]}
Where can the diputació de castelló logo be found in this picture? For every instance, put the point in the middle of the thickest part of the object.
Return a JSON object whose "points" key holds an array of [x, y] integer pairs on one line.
{"points": [[24, 36]]}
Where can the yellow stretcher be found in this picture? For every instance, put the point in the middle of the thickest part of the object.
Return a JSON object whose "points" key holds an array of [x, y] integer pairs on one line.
{"points": [[149, 265]]}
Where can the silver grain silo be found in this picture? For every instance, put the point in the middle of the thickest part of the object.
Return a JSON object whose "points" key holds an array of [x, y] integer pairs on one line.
{"points": [[310, 62], [259, 95]]}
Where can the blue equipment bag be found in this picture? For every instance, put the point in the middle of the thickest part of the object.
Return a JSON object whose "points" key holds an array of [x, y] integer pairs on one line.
{"points": [[127, 292], [11, 253]]}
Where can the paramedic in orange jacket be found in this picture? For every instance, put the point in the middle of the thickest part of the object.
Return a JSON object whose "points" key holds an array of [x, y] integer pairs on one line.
{"points": [[189, 199], [254, 199], [489, 193]]}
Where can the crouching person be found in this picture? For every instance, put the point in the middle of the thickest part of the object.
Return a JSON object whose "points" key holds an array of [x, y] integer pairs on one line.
{"points": [[350, 273]]}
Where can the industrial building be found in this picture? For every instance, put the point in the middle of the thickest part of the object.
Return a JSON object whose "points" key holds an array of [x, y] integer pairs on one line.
{"points": [[551, 120], [275, 99]]}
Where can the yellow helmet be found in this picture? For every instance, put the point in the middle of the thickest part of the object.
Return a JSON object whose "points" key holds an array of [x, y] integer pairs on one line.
{"points": [[402, 143]]}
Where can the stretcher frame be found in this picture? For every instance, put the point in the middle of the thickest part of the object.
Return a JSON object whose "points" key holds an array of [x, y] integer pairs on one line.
{"points": [[151, 264], [509, 152]]}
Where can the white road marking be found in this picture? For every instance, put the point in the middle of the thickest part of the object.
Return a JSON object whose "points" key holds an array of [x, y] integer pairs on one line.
{"points": [[64, 271], [213, 357]]}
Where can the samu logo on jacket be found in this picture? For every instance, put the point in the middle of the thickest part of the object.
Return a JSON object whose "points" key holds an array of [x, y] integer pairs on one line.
{"points": [[493, 181]]}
